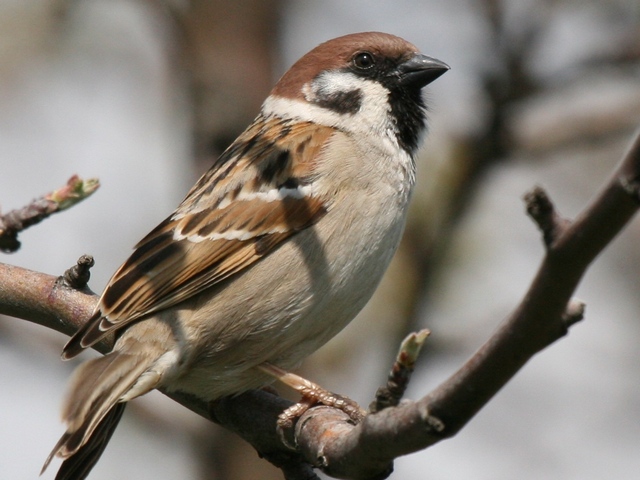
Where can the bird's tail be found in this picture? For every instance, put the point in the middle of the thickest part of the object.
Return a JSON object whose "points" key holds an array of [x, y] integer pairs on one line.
{"points": [[93, 409], [79, 465]]}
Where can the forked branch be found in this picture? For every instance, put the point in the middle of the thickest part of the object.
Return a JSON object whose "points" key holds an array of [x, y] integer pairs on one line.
{"points": [[326, 437]]}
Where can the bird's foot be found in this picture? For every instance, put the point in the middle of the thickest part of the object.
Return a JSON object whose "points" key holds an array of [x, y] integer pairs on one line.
{"points": [[312, 394]]}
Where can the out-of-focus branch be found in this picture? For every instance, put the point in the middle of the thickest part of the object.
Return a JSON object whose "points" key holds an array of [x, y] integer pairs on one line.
{"points": [[390, 394], [13, 222], [326, 437], [542, 317]]}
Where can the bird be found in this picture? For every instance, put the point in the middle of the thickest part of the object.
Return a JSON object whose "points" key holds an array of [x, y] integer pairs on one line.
{"points": [[272, 252]]}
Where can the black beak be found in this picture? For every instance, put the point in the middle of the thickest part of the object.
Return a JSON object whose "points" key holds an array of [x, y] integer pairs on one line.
{"points": [[420, 70]]}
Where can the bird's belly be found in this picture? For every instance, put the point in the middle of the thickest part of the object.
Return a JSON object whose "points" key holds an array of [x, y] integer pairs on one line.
{"points": [[311, 288]]}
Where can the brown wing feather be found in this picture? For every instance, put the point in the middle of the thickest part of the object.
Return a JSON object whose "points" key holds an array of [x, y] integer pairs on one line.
{"points": [[200, 244]]}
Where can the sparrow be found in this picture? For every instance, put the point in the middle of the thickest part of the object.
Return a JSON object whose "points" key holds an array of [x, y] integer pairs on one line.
{"points": [[273, 251]]}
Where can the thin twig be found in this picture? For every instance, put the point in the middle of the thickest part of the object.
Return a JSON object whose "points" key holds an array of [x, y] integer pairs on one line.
{"points": [[326, 437], [390, 394], [542, 317], [13, 222], [541, 210]]}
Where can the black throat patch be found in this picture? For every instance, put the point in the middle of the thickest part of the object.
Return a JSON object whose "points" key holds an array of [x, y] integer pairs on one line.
{"points": [[409, 113]]}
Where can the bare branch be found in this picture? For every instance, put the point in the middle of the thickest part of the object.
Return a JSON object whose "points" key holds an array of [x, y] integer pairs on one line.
{"points": [[255, 414], [45, 300], [542, 317], [542, 211], [398, 381], [48, 301], [13, 222], [326, 437]]}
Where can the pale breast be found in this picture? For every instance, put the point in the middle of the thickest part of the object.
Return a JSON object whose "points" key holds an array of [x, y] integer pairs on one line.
{"points": [[294, 300]]}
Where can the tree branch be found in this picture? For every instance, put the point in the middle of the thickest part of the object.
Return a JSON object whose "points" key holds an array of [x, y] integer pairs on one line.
{"points": [[543, 316], [15, 221], [326, 437], [390, 394]]}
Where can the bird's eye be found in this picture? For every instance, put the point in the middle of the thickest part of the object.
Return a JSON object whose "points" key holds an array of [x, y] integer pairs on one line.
{"points": [[364, 60]]}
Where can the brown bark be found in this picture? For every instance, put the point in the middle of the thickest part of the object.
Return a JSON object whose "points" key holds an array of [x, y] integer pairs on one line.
{"points": [[326, 438]]}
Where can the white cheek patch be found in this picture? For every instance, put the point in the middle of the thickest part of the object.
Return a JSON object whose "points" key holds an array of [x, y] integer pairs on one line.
{"points": [[373, 116]]}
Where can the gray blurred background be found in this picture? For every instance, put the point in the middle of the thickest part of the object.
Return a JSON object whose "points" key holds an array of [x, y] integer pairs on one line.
{"points": [[144, 94]]}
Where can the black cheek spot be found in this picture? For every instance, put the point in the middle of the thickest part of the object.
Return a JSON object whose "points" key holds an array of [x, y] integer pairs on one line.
{"points": [[340, 102]]}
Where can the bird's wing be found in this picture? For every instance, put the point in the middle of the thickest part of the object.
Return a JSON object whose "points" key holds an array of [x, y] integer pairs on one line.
{"points": [[259, 193]]}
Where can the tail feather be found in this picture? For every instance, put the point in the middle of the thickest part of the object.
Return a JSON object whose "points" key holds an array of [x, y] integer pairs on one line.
{"points": [[79, 465], [92, 409], [97, 385]]}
